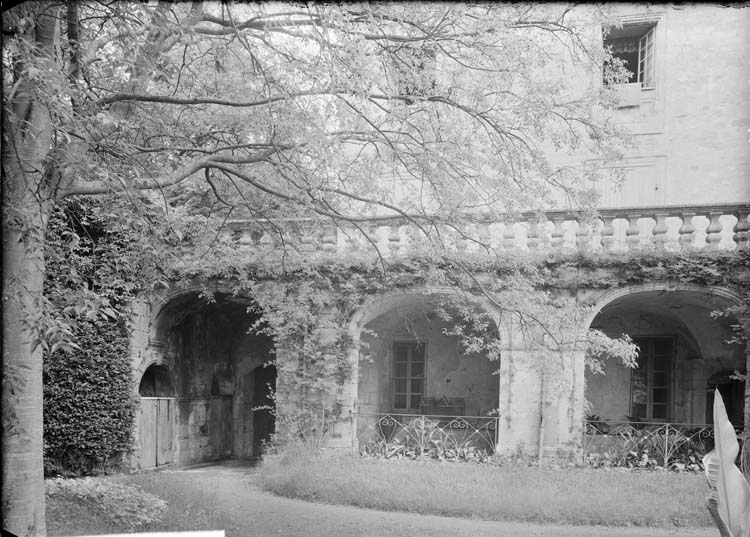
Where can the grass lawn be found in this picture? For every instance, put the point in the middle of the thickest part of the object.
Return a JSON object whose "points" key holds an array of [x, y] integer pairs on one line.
{"points": [[514, 493], [479, 491], [190, 506]]}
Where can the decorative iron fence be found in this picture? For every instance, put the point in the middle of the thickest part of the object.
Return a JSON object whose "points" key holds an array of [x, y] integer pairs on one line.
{"points": [[669, 445], [416, 435]]}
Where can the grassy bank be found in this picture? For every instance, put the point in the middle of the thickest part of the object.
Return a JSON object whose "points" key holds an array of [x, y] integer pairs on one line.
{"points": [[515, 493], [190, 506]]}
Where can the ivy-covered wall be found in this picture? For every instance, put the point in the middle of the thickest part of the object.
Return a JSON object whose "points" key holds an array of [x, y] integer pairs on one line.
{"points": [[332, 358]]}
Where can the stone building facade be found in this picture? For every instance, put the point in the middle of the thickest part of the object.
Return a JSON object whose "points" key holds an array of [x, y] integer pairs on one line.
{"points": [[204, 381]]}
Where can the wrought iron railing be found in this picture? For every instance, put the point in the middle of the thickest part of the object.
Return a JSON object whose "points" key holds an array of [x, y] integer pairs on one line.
{"points": [[416, 435], [670, 445]]}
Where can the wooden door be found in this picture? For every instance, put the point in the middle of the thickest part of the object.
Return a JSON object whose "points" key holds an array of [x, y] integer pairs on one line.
{"points": [[164, 431], [147, 433], [156, 431], [220, 419]]}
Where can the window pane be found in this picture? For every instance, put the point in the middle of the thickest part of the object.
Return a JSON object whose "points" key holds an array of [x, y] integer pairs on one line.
{"points": [[399, 401], [417, 386], [660, 379], [417, 369], [415, 400], [659, 412], [399, 385], [400, 352], [639, 393], [399, 369], [661, 363], [638, 412], [417, 352], [663, 346], [659, 395]]}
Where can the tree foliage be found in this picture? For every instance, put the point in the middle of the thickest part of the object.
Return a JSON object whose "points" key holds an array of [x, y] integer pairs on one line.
{"points": [[272, 112]]}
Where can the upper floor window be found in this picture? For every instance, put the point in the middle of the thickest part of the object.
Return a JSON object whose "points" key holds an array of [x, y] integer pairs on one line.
{"points": [[633, 44], [407, 381], [651, 381]]}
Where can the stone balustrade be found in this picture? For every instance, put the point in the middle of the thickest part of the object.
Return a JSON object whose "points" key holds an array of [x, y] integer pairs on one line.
{"points": [[611, 231]]}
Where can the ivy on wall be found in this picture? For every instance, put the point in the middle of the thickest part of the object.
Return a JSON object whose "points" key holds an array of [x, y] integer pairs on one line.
{"points": [[96, 261]]}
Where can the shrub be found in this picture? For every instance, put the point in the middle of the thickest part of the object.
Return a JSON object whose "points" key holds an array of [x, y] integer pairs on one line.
{"points": [[89, 406], [125, 505]]}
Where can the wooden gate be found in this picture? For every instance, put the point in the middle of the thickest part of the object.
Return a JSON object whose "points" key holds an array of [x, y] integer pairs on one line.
{"points": [[156, 431]]}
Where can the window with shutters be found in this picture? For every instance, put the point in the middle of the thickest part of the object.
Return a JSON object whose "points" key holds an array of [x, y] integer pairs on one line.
{"points": [[408, 375], [651, 381]]}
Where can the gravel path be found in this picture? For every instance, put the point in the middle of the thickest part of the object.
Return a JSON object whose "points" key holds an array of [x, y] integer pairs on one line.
{"points": [[267, 515]]}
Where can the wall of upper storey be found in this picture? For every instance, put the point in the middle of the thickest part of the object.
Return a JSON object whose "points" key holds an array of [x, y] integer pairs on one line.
{"points": [[691, 127]]}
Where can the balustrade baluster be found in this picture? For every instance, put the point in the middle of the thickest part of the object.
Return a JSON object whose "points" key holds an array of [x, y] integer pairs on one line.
{"points": [[558, 234], [532, 236], [509, 236], [583, 236], [394, 240], [713, 231], [742, 230], [633, 233], [483, 232], [329, 241], [660, 231], [608, 234], [687, 231]]}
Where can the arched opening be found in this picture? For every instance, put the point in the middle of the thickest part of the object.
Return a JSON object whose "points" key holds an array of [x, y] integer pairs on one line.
{"points": [[681, 349], [210, 348], [264, 405], [156, 382], [156, 417], [417, 367]]}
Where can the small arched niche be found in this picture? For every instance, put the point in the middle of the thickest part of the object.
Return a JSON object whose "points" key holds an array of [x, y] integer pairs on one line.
{"points": [[222, 384], [156, 382]]}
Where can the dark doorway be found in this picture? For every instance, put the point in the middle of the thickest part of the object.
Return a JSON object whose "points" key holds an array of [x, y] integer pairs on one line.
{"points": [[220, 415], [732, 392], [264, 406]]}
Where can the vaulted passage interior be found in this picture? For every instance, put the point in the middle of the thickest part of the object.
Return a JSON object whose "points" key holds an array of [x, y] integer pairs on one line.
{"points": [[684, 356], [413, 367], [222, 376]]}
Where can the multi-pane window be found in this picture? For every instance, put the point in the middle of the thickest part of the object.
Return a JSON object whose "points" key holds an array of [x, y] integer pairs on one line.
{"points": [[651, 381], [634, 45], [408, 375]]}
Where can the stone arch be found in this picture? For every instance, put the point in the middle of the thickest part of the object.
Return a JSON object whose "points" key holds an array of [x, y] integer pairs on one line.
{"points": [[379, 304], [205, 344], [680, 347], [730, 296], [415, 366]]}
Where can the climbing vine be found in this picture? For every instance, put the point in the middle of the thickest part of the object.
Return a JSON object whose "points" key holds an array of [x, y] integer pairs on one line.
{"points": [[96, 261]]}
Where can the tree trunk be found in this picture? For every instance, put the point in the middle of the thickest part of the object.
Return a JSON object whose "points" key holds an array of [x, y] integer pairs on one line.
{"points": [[746, 429], [26, 202], [22, 452]]}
